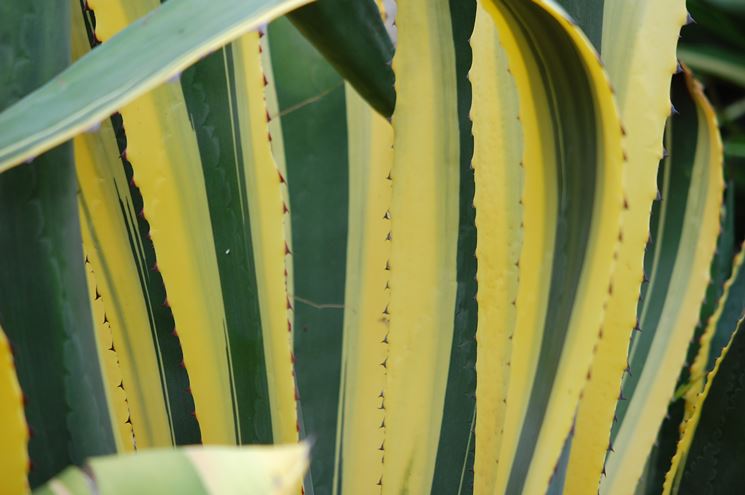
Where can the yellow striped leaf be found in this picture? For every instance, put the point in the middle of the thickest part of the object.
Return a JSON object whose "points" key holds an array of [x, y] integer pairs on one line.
{"points": [[498, 169], [685, 225], [572, 203], [636, 37]]}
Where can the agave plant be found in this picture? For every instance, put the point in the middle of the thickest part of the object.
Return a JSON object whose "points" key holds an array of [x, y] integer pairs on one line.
{"points": [[222, 226]]}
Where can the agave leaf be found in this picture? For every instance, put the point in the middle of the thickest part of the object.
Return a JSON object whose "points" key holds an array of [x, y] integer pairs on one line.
{"points": [[569, 245], [310, 119], [659, 460], [124, 292], [247, 197], [711, 451], [195, 471], [499, 176], [225, 280], [14, 461], [44, 308], [684, 232], [352, 37], [125, 68], [430, 380], [632, 37], [358, 464], [122, 258]]}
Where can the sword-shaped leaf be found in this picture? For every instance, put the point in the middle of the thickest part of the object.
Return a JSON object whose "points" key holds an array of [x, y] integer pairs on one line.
{"points": [[125, 68], [685, 224], [44, 306], [572, 206], [633, 37]]}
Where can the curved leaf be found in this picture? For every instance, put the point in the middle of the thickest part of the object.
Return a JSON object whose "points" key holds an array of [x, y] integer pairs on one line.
{"points": [[634, 37], [44, 307], [125, 68], [685, 225], [572, 203], [499, 175], [430, 380]]}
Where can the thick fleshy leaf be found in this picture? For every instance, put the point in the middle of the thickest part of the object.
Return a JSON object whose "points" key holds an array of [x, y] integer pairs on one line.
{"points": [[44, 307], [125, 68], [663, 451], [572, 220], [200, 156], [499, 174], [358, 463], [310, 139], [685, 224], [430, 379], [633, 37], [337, 154]]}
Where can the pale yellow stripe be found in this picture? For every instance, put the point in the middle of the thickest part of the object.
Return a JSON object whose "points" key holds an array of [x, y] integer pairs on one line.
{"points": [[424, 220], [267, 217], [498, 173], [278, 152], [86, 148], [687, 286], [163, 150], [536, 255], [116, 396], [639, 38], [103, 193], [366, 298], [592, 293]]}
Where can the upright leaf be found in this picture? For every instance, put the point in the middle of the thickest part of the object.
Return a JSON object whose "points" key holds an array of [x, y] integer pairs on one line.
{"points": [[430, 381], [359, 456], [633, 37], [572, 204], [684, 231], [201, 157], [44, 306], [499, 142], [121, 254]]}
